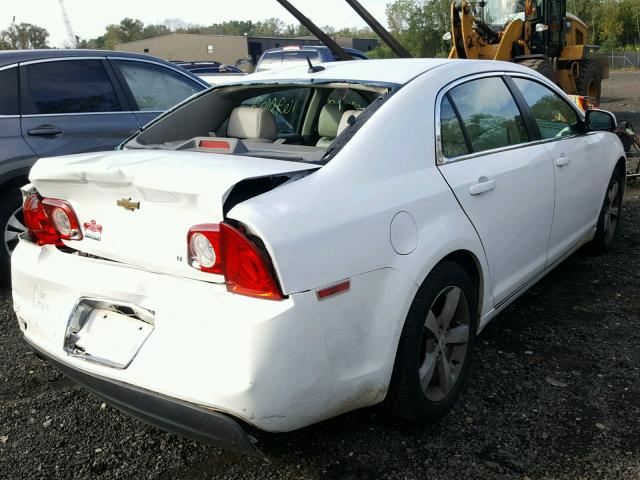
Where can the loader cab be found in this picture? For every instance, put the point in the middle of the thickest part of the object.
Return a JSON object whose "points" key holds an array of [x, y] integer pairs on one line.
{"points": [[545, 21], [546, 24]]}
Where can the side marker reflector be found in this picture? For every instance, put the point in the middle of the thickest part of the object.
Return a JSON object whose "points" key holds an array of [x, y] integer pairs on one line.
{"points": [[333, 290]]}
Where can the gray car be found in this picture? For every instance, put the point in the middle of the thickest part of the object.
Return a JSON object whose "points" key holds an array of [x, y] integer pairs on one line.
{"points": [[59, 102]]}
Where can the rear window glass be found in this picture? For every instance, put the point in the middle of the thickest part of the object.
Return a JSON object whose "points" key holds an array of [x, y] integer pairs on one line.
{"points": [[70, 86], [287, 106], [453, 142], [348, 99], [155, 87], [9, 91], [489, 114], [290, 58]]}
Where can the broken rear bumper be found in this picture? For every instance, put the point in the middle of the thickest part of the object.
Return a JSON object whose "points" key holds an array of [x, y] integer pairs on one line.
{"points": [[166, 413]]}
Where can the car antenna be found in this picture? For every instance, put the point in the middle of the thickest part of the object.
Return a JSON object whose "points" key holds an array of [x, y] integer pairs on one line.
{"points": [[313, 68]]}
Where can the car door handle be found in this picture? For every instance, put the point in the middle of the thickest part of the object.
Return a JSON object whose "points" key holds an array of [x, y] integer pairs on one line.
{"points": [[563, 161], [484, 186], [45, 131]]}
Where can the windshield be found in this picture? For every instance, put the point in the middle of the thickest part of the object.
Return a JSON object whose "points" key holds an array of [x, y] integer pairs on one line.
{"points": [[499, 12]]}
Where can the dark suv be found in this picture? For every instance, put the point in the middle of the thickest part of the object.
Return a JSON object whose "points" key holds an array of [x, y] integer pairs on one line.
{"points": [[58, 102]]}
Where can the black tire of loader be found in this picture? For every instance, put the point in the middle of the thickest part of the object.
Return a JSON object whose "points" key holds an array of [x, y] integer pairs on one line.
{"points": [[589, 81], [540, 65]]}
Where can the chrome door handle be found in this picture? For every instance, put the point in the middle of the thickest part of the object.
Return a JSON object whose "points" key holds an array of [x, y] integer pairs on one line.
{"points": [[45, 131], [563, 161], [483, 187]]}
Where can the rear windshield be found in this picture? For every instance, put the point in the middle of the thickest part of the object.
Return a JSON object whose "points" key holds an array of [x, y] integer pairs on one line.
{"points": [[301, 123], [287, 58]]}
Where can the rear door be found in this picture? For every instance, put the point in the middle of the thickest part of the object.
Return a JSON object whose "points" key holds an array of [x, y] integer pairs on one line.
{"points": [[577, 162], [153, 88], [72, 106], [501, 176]]}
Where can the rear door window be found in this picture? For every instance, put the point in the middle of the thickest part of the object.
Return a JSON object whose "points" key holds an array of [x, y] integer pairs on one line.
{"points": [[553, 115], [489, 114], [287, 106], [9, 92], [154, 87], [451, 134], [68, 86]]}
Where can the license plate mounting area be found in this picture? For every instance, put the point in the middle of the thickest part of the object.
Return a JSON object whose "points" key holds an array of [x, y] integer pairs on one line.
{"points": [[107, 332]]}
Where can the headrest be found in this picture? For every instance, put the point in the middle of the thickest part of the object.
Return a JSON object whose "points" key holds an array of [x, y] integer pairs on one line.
{"points": [[329, 120], [252, 123], [344, 121]]}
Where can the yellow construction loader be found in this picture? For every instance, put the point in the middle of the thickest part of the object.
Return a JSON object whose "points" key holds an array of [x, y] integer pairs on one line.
{"points": [[537, 33]]}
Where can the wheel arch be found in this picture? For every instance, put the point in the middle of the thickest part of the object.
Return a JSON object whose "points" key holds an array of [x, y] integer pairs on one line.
{"points": [[14, 179], [471, 264]]}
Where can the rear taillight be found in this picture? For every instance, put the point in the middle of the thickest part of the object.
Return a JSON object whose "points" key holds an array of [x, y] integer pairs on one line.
{"points": [[63, 218], [49, 221], [226, 250], [204, 248]]}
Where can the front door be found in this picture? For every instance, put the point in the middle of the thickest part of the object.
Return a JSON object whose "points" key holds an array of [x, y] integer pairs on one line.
{"points": [[504, 182], [576, 160]]}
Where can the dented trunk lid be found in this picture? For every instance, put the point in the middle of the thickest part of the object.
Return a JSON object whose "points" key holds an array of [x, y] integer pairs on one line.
{"points": [[136, 207]]}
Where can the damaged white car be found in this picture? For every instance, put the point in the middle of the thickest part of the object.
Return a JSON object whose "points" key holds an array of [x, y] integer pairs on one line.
{"points": [[310, 241]]}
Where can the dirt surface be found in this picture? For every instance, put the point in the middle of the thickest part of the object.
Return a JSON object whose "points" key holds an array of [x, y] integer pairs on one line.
{"points": [[554, 392]]}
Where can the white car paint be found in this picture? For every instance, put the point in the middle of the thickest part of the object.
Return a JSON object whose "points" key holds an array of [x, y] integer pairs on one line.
{"points": [[222, 78], [282, 365]]}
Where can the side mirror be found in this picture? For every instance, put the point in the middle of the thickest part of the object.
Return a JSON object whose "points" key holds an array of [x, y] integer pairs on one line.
{"points": [[600, 121]]}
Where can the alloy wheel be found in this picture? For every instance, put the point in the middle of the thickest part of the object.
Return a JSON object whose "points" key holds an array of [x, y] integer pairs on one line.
{"points": [[12, 229], [444, 344], [612, 212]]}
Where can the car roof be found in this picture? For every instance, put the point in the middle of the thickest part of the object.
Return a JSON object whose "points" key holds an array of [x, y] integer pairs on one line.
{"points": [[9, 57], [388, 71]]}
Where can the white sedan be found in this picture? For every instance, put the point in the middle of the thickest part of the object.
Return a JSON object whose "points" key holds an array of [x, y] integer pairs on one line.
{"points": [[310, 241]]}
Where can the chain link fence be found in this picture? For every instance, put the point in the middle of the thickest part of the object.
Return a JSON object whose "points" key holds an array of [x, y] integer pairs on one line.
{"points": [[625, 59]]}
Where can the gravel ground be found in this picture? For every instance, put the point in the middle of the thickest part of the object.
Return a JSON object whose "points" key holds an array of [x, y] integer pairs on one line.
{"points": [[554, 392]]}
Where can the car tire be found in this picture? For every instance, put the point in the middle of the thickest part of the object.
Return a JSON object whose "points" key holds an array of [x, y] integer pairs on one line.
{"points": [[438, 337], [11, 223], [610, 215]]}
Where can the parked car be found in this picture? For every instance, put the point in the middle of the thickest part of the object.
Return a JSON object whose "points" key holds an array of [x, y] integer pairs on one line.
{"points": [[212, 72], [221, 269], [297, 55], [58, 102]]}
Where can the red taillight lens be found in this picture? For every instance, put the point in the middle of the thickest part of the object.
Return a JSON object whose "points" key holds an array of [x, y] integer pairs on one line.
{"points": [[245, 269], [204, 248], [63, 218], [225, 250], [40, 228], [49, 221]]}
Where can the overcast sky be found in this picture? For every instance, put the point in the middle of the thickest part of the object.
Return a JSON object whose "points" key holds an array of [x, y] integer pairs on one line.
{"points": [[89, 18]]}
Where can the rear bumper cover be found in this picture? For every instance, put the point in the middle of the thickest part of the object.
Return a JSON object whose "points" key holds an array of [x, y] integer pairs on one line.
{"points": [[166, 413]]}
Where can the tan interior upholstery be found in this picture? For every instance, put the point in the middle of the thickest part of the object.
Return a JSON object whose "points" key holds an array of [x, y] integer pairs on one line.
{"points": [[328, 122], [344, 121], [251, 123]]}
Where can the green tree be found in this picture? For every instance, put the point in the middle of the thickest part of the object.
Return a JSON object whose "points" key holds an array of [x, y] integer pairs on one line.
{"points": [[24, 36]]}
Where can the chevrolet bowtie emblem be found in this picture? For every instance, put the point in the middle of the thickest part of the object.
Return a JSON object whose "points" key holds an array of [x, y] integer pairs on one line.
{"points": [[127, 204]]}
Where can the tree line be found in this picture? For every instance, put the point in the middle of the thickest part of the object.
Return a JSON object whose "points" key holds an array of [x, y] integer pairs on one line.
{"points": [[418, 24]]}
